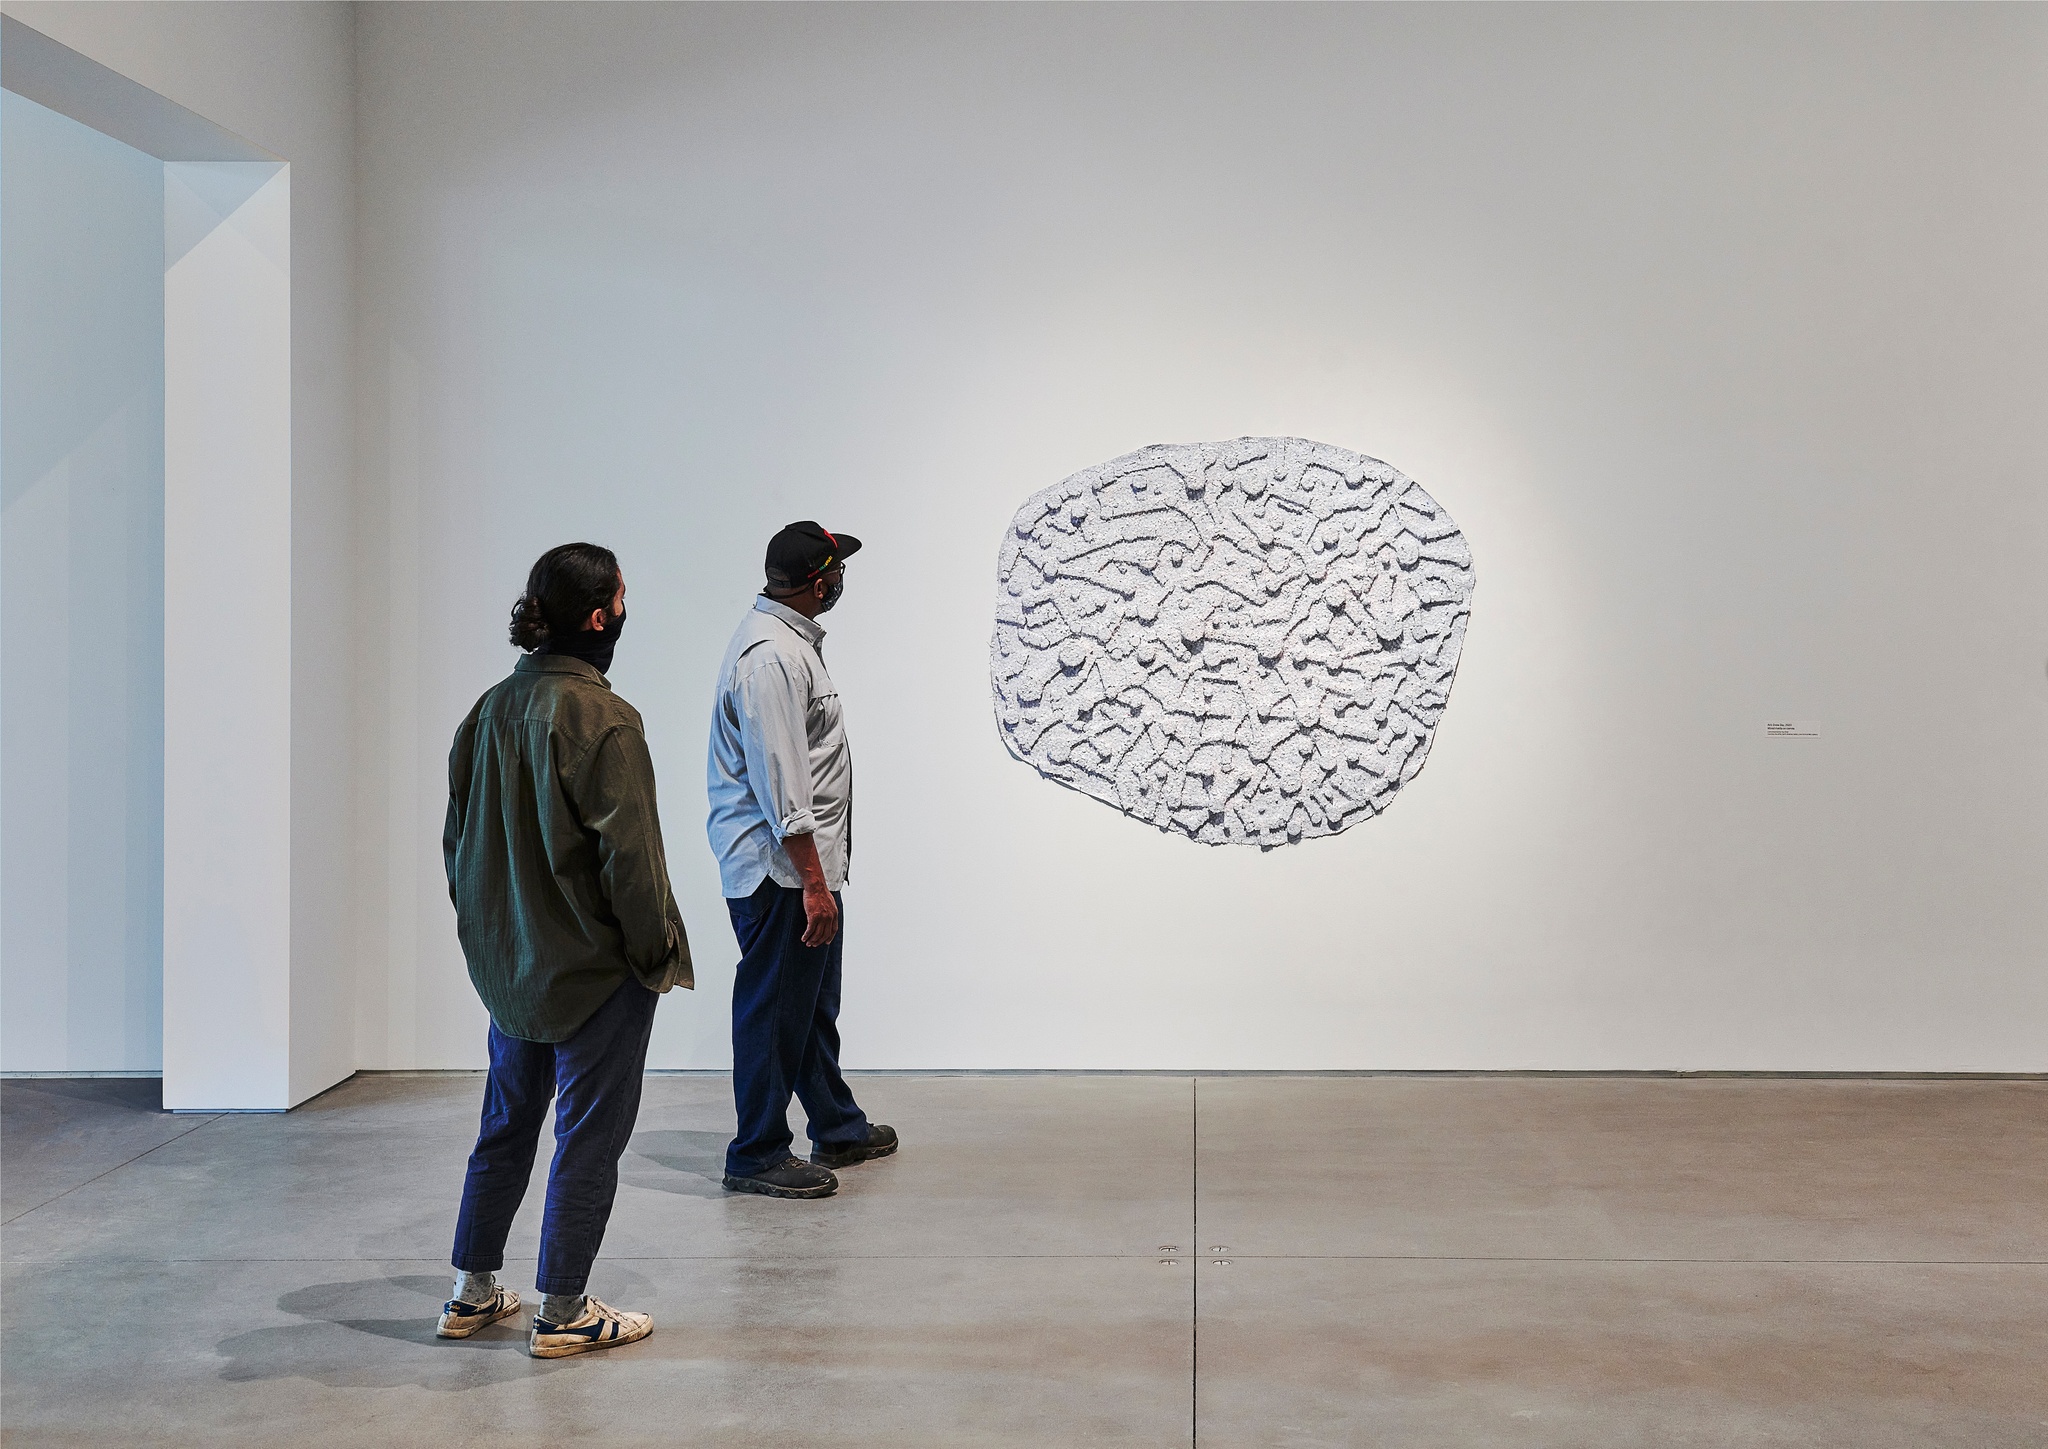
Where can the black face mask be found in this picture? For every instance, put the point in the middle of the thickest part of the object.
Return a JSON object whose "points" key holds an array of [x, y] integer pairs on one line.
{"points": [[591, 647], [834, 587]]}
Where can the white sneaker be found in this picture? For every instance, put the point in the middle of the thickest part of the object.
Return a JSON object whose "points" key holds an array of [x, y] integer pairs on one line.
{"points": [[460, 1320], [601, 1326]]}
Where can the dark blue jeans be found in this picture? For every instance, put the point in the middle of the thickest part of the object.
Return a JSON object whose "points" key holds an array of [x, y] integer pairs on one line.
{"points": [[594, 1079], [785, 1033]]}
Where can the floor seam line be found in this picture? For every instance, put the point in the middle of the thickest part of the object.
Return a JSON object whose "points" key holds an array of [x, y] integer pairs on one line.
{"points": [[1122, 1257], [115, 1168], [1676, 1262], [650, 1258], [1080, 1257]]}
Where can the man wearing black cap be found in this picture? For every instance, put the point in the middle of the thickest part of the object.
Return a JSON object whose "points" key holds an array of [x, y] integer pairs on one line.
{"points": [[781, 786]]}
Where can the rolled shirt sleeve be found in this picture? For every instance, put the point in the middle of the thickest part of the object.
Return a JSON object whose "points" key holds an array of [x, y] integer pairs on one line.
{"points": [[777, 745], [613, 792], [777, 763]]}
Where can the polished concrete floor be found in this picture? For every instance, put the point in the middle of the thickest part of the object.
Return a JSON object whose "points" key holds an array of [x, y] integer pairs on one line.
{"points": [[1069, 1261]]}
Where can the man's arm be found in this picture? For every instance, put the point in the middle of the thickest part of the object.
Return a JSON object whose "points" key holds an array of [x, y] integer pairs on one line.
{"points": [[821, 912], [777, 745], [613, 791], [459, 764]]}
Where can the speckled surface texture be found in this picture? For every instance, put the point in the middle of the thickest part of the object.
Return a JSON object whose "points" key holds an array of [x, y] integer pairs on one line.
{"points": [[1068, 1260], [1247, 642]]}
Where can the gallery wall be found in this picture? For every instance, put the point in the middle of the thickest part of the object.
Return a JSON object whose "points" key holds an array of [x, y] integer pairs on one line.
{"points": [[1721, 332], [81, 585], [282, 76]]}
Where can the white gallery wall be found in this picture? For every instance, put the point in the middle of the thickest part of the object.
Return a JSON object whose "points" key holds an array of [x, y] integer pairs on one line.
{"points": [[281, 75], [82, 591], [1722, 332], [1718, 330]]}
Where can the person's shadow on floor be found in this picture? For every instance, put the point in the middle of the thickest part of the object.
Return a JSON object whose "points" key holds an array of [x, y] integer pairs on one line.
{"points": [[378, 1333], [694, 1162]]}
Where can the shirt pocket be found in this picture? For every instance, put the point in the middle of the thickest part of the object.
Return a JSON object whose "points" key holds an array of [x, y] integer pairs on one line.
{"points": [[822, 721]]}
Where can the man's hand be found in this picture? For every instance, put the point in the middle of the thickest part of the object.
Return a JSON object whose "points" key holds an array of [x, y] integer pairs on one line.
{"points": [[821, 912]]}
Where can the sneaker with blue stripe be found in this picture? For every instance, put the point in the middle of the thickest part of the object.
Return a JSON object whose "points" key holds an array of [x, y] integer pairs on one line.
{"points": [[601, 1326], [460, 1320]]}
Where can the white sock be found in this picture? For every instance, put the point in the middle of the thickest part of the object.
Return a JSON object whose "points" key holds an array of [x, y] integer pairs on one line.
{"points": [[477, 1289], [561, 1308]]}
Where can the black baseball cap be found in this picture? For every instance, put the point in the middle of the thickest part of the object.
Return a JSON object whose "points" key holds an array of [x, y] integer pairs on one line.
{"points": [[802, 551]]}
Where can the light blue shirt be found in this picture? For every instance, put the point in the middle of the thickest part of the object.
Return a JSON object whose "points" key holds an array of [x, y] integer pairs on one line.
{"points": [[779, 762]]}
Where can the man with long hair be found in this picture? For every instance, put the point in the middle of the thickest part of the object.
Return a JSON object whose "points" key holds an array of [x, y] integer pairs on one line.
{"points": [[571, 931]]}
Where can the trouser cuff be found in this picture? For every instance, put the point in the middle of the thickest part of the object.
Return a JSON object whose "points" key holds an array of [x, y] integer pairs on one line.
{"points": [[846, 1136]]}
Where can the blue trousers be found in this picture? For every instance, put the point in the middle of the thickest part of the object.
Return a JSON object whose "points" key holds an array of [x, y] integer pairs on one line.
{"points": [[594, 1080], [785, 1033]]}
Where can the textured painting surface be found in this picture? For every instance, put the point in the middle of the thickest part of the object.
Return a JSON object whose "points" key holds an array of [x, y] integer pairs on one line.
{"points": [[1245, 643]]}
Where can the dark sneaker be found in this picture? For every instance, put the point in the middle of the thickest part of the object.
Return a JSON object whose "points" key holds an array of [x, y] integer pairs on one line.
{"points": [[787, 1178], [460, 1320], [601, 1326], [880, 1142]]}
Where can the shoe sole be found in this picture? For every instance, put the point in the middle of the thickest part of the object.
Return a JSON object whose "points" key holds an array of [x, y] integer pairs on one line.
{"points": [[768, 1189], [570, 1350], [849, 1159], [444, 1332]]}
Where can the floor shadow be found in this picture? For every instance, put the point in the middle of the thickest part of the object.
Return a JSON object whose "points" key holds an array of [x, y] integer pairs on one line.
{"points": [[378, 1333], [694, 1162], [59, 1133], [115, 1094]]}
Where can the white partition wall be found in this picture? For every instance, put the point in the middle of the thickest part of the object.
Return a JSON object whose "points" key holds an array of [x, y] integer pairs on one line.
{"points": [[227, 635], [249, 1016], [81, 573]]}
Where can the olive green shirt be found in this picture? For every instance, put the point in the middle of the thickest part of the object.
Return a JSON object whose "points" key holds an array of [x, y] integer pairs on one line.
{"points": [[554, 854]]}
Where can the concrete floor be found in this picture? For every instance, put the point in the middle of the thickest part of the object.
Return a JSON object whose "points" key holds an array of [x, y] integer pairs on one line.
{"points": [[1352, 1261]]}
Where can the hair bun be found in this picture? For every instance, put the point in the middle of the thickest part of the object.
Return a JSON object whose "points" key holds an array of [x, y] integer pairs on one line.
{"points": [[529, 625], [565, 586]]}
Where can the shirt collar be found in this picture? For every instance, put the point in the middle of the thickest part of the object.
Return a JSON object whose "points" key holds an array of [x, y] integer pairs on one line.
{"points": [[813, 634], [559, 664]]}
